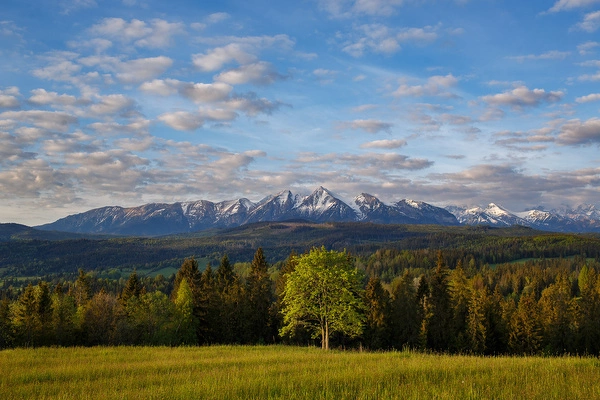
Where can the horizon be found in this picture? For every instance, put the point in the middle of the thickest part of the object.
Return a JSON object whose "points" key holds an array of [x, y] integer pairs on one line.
{"points": [[457, 102]]}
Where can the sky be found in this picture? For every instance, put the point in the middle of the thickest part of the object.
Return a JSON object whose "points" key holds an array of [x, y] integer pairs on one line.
{"points": [[462, 102]]}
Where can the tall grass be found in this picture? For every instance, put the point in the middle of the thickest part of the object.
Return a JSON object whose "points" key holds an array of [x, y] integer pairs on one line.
{"points": [[279, 372]]}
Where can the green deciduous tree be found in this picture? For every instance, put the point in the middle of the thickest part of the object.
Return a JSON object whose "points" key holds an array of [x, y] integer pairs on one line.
{"points": [[324, 295]]}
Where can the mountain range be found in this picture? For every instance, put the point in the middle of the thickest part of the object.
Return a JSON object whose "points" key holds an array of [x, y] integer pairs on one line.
{"points": [[157, 219]]}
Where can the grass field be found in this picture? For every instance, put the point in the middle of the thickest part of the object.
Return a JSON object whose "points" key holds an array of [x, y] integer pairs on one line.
{"points": [[279, 372]]}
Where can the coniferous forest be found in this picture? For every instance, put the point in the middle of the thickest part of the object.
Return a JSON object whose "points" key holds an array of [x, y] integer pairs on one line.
{"points": [[432, 300]]}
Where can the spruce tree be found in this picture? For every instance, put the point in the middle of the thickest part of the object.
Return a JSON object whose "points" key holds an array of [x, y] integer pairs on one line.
{"points": [[405, 316], [377, 315], [260, 293]]}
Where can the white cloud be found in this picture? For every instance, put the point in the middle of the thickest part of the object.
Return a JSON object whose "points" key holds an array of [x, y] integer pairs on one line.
{"points": [[564, 5], [261, 73], [348, 8], [576, 132], [587, 47], [549, 55], [367, 125], [8, 98], [588, 98], [143, 69], [161, 87], [42, 97], [205, 92], [382, 39], [523, 96], [111, 105], [217, 17], [590, 23], [182, 120], [384, 144], [52, 120], [157, 34], [217, 57], [435, 86]]}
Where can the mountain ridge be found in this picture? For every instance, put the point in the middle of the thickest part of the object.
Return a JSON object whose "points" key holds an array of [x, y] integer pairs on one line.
{"points": [[322, 205]]}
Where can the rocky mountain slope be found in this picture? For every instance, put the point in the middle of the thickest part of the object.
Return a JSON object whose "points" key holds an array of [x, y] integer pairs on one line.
{"points": [[320, 206]]}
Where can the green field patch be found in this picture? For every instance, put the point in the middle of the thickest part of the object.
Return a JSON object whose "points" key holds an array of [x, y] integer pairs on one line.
{"points": [[281, 372]]}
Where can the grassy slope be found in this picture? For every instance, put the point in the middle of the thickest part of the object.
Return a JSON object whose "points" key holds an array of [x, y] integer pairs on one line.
{"points": [[279, 372]]}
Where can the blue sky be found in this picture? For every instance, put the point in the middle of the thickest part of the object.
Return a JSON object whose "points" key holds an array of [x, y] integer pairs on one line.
{"points": [[446, 101]]}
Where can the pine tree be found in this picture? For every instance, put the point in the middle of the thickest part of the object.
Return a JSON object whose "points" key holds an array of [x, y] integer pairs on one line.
{"points": [[25, 319], [525, 327], [231, 326], [438, 319], [63, 317], [133, 288], [555, 310], [260, 293], [377, 315], [405, 317], [460, 295]]}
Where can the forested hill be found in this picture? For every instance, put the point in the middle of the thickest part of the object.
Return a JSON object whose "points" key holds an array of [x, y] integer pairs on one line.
{"points": [[25, 254]]}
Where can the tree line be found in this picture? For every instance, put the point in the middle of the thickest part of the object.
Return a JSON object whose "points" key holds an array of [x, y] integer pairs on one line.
{"points": [[549, 306]]}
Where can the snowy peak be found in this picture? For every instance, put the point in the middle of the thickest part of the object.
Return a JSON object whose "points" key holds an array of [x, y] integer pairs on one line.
{"points": [[322, 206]]}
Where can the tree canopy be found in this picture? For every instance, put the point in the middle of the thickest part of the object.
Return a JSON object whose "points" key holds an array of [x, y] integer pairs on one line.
{"points": [[324, 295]]}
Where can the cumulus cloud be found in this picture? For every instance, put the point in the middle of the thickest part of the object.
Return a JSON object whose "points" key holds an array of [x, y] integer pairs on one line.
{"points": [[565, 5], [577, 132], [111, 105], [523, 97], [590, 23], [43, 97], [132, 71], [588, 98], [435, 86], [143, 69], [379, 38], [261, 73], [587, 47], [8, 97], [205, 92], [215, 59], [384, 144], [367, 125], [156, 34], [182, 120], [52, 120]]}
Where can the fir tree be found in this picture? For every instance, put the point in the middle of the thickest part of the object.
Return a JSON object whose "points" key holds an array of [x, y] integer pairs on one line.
{"points": [[260, 293]]}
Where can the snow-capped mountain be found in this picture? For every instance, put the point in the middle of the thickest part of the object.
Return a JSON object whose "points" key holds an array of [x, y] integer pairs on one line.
{"points": [[582, 219], [320, 206]]}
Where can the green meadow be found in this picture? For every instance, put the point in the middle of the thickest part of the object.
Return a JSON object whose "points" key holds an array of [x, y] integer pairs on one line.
{"points": [[281, 372]]}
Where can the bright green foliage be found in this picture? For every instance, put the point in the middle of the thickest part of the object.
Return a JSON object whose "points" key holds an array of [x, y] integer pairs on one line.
{"points": [[324, 295], [186, 322]]}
